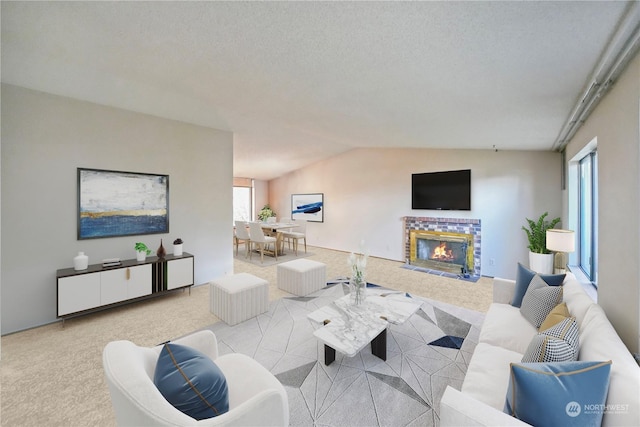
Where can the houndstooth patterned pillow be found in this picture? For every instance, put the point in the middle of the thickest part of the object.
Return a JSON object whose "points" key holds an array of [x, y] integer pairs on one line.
{"points": [[539, 300], [560, 343]]}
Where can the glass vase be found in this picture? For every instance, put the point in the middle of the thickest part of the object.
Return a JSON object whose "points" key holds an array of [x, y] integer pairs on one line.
{"points": [[357, 291]]}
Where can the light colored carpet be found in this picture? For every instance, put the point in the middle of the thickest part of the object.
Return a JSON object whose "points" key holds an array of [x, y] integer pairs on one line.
{"points": [[53, 376], [268, 260]]}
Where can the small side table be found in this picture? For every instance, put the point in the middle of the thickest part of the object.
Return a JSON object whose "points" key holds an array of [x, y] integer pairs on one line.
{"points": [[238, 297]]}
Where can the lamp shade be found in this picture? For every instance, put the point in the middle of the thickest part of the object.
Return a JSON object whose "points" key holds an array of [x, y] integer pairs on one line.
{"points": [[561, 240]]}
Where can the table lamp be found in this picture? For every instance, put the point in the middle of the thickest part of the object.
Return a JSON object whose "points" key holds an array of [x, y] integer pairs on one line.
{"points": [[561, 242]]}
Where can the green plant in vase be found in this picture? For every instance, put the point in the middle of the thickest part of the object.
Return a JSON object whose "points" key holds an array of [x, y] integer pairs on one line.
{"points": [[540, 258], [266, 212], [141, 251], [537, 233], [357, 282]]}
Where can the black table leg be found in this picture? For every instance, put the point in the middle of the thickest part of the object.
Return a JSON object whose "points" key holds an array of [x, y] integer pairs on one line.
{"points": [[329, 355], [379, 345]]}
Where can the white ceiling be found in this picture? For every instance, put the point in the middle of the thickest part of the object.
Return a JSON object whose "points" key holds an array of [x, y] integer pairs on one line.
{"points": [[301, 81]]}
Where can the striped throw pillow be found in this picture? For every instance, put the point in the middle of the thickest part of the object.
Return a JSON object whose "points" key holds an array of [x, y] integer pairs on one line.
{"points": [[560, 343]]}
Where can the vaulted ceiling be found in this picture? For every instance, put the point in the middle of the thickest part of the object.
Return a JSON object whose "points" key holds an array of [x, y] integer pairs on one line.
{"points": [[297, 82]]}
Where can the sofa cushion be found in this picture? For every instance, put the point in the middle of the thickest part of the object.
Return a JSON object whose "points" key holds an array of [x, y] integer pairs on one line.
{"points": [[557, 344], [500, 324], [599, 341], [557, 315], [191, 382], [539, 300], [523, 279], [487, 376], [578, 302], [558, 394]]}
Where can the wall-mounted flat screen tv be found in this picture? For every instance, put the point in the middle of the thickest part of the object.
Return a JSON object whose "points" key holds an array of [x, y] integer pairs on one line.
{"points": [[450, 190]]}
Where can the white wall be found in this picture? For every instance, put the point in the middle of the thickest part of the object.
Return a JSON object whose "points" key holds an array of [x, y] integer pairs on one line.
{"points": [[368, 191], [45, 138], [616, 125], [0, 235], [261, 197]]}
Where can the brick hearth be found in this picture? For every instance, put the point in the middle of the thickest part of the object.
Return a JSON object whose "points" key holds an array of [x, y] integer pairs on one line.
{"points": [[451, 225]]}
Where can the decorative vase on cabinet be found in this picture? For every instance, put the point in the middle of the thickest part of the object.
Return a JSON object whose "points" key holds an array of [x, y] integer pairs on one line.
{"points": [[177, 247], [81, 261], [161, 251]]}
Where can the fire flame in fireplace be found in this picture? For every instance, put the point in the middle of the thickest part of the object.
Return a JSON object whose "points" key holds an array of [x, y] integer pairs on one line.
{"points": [[442, 253]]}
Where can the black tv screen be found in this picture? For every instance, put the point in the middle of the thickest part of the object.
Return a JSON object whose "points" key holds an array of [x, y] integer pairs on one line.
{"points": [[449, 190]]}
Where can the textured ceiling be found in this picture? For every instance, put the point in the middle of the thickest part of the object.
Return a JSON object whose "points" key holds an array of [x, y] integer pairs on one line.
{"points": [[300, 81]]}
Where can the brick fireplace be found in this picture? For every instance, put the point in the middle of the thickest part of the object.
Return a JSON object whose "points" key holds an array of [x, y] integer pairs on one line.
{"points": [[446, 244]]}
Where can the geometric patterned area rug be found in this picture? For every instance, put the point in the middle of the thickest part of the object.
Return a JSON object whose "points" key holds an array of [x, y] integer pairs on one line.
{"points": [[425, 354]]}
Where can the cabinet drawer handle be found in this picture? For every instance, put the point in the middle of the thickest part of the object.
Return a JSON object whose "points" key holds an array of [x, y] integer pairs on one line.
{"points": [[128, 274]]}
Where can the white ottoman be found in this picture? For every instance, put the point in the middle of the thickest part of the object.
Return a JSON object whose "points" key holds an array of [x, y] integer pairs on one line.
{"points": [[238, 297], [301, 276]]}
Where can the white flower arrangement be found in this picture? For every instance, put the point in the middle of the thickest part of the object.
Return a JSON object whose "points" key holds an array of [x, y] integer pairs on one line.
{"points": [[358, 284], [358, 264]]}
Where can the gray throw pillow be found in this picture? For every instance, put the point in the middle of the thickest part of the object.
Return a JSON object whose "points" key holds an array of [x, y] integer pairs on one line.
{"points": [[523, 279], [539, 300]]}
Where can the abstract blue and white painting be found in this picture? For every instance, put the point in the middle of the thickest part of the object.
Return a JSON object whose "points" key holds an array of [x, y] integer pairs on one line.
{"points": [[309, 207], [112, 203]]}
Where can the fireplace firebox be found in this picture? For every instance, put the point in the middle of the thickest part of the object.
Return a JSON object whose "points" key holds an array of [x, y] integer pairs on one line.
{"points": [[444, 251], [444, 230]]}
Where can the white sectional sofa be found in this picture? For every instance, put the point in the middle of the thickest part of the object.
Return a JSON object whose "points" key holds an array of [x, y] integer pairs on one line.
{"points": [[504, 338]]}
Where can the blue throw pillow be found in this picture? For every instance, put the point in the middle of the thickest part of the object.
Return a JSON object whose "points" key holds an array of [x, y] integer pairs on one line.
{"points": [[558, 394], [523, 278], [191, 382]]}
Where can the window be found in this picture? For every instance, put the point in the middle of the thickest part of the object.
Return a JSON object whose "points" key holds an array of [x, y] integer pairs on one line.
{"points": [[242, 199], [587, 219]]}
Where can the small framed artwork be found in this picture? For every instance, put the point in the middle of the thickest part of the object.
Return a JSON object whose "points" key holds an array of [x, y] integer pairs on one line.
{"points": [[114, 203], [309, 207]]}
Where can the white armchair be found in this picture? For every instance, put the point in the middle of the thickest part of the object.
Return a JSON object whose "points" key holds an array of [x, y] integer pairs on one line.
{"points": [[256, 397]]}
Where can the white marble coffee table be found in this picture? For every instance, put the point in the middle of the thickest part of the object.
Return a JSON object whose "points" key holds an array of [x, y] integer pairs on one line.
{"points": [[348, 328]]}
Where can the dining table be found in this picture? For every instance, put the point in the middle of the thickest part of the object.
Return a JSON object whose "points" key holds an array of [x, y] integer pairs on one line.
{"points": [[276, 229]]}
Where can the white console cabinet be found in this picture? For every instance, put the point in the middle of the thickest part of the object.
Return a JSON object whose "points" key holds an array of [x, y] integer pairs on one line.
{"points": [[78, 293], [97, 287], [179, 273], [125, 283]]}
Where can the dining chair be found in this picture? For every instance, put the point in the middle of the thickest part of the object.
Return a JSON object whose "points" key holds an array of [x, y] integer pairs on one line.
{"points": [[296, 236], [242, 236], [284, 239], [258, 238]]}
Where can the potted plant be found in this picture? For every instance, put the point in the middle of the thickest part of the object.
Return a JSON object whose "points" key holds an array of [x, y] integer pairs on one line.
{"points": [[540, 258], [177, 247], [266, 212], [141, 251]]}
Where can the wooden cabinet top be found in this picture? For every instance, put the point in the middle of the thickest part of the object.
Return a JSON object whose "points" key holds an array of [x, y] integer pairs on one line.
{"points": [[94, 268]]}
